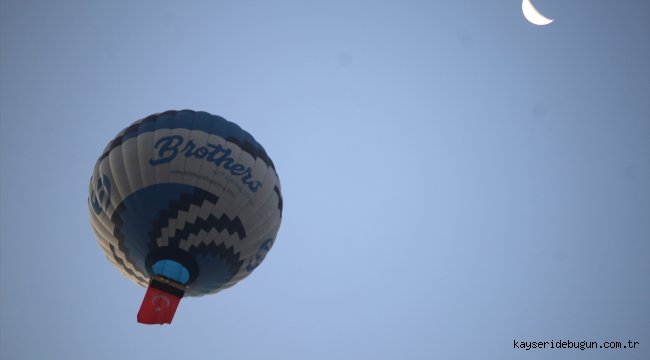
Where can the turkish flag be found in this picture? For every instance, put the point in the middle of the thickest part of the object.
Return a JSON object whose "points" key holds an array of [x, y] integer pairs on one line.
{"points": [[158, 307]]}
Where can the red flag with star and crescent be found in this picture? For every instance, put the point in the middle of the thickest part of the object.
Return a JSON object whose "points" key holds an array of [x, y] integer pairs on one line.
{"points": [[159, 303]]}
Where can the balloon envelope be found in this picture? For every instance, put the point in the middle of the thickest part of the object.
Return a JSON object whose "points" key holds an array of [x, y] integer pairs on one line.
{"points": [[188, 196]]}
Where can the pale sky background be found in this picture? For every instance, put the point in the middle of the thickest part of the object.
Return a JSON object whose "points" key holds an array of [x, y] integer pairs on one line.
{"points": [[454, 178]]}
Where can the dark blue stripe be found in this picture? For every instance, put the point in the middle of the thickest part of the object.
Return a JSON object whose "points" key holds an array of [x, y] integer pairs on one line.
{"points": [[277, 192], [193, 120]]}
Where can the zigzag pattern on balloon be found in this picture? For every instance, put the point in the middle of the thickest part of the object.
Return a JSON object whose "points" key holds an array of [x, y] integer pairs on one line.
{"points": [[193, 244], [212, 222], [198, 197]]}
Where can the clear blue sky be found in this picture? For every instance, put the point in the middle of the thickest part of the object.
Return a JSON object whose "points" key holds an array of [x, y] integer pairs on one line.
{"points": [[454, 178]]}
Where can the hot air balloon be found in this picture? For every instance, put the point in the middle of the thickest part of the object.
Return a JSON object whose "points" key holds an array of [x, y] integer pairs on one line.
{"points": [[185, 203]]}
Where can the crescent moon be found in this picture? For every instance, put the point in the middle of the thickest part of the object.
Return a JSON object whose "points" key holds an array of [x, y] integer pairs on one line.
{"points": [[531, 14], [164, 300]]}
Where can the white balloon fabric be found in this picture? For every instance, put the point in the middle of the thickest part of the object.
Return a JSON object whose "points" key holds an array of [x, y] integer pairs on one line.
{"points": [[188, 196]]}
